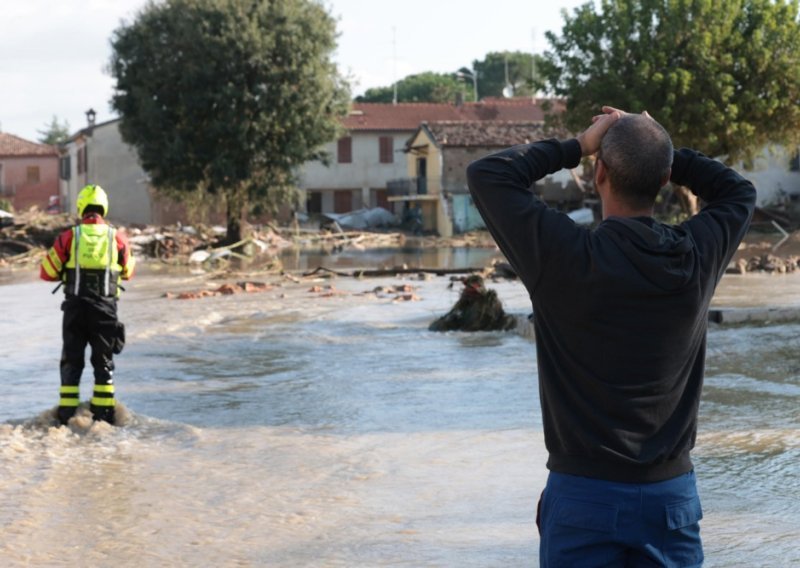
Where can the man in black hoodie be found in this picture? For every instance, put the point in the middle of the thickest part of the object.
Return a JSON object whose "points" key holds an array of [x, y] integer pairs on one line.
{"points": [[620, 316]]}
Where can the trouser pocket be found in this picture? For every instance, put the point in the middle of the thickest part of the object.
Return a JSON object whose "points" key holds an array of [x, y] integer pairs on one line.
{"points": [[118, 343], [682, 544]]}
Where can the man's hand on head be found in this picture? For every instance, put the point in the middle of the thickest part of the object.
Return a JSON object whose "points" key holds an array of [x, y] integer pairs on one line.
{"points": [[590, 138], [608, 110]]}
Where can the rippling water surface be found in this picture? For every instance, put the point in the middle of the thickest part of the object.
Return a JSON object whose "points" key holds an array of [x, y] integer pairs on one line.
{"points": [[291, 429]]}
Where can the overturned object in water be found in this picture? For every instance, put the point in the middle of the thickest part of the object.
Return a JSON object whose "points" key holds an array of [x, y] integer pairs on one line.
{"points": [[478, 309]]}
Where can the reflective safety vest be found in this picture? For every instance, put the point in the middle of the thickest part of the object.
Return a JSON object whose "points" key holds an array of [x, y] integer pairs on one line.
{"points": [[93, 263]]}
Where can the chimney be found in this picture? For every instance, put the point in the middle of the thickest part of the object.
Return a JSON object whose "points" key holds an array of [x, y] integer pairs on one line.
{"points": [[459, 98]]}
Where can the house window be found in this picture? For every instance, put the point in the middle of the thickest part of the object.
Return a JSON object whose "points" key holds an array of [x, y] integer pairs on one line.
{"points": [[794, 163], [32, 174], [344, 151], [65, 165], [386, 149]]}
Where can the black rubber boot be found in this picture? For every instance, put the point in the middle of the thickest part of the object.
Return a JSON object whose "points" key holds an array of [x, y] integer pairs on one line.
{"points": [[104, 413], [64, 414]]}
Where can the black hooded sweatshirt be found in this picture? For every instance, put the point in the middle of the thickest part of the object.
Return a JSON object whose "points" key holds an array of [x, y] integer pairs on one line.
{"points": [[620, 312]]}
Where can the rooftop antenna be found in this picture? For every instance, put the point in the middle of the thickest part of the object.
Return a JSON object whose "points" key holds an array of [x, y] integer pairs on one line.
{"points": [[394, 64]]}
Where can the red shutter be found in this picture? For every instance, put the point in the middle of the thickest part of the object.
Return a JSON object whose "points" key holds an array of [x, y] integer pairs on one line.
{"points": [[386, 144], [345, 150]]}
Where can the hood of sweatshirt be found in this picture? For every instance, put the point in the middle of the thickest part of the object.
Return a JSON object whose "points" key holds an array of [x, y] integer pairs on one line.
{"points": [[662, 254]]}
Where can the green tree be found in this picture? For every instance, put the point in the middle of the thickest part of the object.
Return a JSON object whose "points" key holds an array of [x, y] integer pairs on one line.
{"points": [[228, 97], [722, 76], [55, 132], [426, 87], [523, 76]]}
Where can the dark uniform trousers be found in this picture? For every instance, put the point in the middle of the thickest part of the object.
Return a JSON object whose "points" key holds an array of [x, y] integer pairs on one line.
{"points": [[91, 321]]}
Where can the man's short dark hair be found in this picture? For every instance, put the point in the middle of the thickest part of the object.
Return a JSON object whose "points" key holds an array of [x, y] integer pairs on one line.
{"points": [[637, 152]]}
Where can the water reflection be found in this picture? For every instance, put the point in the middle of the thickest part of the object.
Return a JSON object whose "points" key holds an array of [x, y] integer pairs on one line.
{"points": [[459, 257]]}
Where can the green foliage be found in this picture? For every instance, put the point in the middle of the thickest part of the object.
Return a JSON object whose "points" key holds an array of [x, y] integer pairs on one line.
{"points": [[722, 76], [427, 87], [55, 132], [444, 87], [229, 96], [522, 73]]}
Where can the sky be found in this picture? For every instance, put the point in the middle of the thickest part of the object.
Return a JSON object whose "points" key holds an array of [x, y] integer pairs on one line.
{"points": [[54, 55]]}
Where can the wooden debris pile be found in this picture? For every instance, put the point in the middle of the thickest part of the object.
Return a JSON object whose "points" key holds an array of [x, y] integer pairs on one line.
{"points": [[25, 241], [337, 240], [766, 263], [167, 243]]}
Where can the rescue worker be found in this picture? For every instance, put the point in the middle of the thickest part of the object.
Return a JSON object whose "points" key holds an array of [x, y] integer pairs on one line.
{"points": [[89, 260]]}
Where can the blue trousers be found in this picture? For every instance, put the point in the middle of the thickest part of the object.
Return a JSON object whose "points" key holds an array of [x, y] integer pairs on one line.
{"points": [[587, 522]]}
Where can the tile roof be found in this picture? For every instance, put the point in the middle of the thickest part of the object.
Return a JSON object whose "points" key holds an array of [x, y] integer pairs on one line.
{"points": [[408, 116], [11, 145], [491, 133]]}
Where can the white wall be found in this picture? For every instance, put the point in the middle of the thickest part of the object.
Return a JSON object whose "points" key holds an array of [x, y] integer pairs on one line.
{"points": [[771, 175], [365, 171], [115, 167]]}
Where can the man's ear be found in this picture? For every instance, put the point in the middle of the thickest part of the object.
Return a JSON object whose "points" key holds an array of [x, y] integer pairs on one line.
{"points": [[600, 173]]}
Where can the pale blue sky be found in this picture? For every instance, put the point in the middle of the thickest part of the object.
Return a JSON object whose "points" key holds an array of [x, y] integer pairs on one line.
{"points": [[53, 54]]}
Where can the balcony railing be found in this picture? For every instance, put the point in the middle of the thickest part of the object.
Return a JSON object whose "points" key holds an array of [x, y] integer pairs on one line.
{"points": [[407, 186]]}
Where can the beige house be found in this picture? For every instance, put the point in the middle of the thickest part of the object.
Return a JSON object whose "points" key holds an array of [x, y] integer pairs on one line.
{"points": [[437, 158]]}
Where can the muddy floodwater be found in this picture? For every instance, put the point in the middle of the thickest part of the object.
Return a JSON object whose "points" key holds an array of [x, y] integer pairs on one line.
{"points": [[292, 428]]}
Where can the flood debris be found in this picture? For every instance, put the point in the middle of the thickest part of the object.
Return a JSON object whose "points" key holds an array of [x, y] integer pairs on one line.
{"points": [[397, 293], [364, 218], [228, 289], [6, 218], [766, 263], [392, 271], [477, 309], [500, 270], [326, 291], [26, 236]]}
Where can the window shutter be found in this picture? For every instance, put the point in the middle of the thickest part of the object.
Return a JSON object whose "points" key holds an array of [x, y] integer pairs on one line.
{"points": [[345, 150], [386, 144]]}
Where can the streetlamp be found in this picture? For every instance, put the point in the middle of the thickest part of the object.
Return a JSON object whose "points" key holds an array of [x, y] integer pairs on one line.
{"points": [[470, 74]]}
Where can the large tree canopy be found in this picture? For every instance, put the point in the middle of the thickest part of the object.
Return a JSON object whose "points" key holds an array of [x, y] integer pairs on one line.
{"points": [[722, 76], [228, 96]]}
